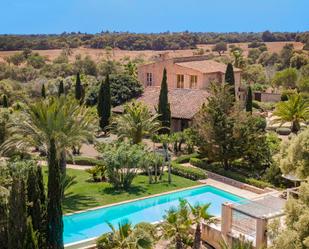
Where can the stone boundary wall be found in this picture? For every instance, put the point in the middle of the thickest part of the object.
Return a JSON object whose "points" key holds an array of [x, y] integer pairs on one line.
{"points": [[237, 184], [267, 97]]}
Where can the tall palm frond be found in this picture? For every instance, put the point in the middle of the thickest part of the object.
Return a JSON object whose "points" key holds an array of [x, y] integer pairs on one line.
{"points": [[294, 110], [136, 123], [61, 119], [126, 237]]}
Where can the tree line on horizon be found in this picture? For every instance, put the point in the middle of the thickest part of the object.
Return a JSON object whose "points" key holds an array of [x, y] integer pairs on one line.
{"points": [[142, 41]]}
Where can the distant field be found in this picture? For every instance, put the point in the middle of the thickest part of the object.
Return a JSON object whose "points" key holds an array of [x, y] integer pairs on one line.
{"points": [[147, 55]]}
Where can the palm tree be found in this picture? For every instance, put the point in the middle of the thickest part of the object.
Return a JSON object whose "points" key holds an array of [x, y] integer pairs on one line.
{"points": [[294, 110], [240, 243], [126, 237], [176, 225], [136, 123], [200, 213], [55, 124]]}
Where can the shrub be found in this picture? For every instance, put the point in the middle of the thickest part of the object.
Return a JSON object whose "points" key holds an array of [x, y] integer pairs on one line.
{"points": [[97, 173], [258, 183], [185, 158], [87, 161], [188, 172], [264, 106], [273, 175], [283, 131], [122, 161], [200, 163]]}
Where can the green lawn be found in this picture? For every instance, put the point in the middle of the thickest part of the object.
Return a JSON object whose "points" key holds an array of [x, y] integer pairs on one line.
{"points": [[87, 194]]}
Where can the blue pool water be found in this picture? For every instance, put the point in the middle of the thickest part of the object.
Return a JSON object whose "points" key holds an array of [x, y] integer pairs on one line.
{"points": [[92, 224]]}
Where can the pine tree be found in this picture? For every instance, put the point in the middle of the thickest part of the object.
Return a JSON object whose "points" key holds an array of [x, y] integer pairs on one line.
{"points": [[43, 91], [164, 106], [36, 209], [249, 100], [5, 102], [17, 222], [78, 88], [104, 103], [60, 88], [31, 240], [229, 77]]}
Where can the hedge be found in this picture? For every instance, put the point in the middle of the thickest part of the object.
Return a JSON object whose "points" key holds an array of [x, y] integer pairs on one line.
{"points": [[81, 160], [188, 172], [201, 163], [185, 158], [258, 183], [216, 168]]}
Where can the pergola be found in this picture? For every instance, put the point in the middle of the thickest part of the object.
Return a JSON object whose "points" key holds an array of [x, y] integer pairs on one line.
{"points": [[250, 218]]}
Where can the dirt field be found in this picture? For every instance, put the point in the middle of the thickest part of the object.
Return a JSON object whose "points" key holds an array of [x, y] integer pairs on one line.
{"points": [[147, 55]]}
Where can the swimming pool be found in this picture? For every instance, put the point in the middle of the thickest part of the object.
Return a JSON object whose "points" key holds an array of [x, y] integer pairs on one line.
{"points": [[90, 224]]}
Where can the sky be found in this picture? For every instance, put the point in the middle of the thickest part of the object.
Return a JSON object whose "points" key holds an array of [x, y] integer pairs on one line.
{"points": [[146, 16]]}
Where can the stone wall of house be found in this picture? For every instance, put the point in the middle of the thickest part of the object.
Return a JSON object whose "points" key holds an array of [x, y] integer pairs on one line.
{"points": [[203, 80]]}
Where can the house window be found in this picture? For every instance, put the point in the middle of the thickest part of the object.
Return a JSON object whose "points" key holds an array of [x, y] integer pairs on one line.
{"points": [[180, 81], [149, 79], [193, 81]]}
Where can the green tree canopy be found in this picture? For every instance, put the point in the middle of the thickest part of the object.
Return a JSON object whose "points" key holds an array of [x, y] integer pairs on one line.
{"points": [[293, 155], [254, 74], [214, 126], [220, 47], [286, 78], [294, 233]]}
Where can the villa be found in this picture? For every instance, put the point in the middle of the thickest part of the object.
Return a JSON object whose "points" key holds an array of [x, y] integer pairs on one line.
{"points": [[185, 103], [189, 80], [193, 72]]}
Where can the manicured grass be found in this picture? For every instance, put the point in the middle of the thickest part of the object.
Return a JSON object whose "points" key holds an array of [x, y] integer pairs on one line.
{"points": [[87, 194]]}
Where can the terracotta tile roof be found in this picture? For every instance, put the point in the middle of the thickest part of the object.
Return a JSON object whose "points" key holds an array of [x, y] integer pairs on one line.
{"points": [[206, 66], [185, 103]]}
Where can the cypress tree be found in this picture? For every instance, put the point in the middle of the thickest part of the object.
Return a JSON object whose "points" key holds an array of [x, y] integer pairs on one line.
{"points": [[36, 209], [5, 101], [164, 106], [229, 77], [78, 88], [17, 221], [31, 240], [249, 100], [39, 176], [54, 206], [104, 103], [60, 88], [43, 91]]}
